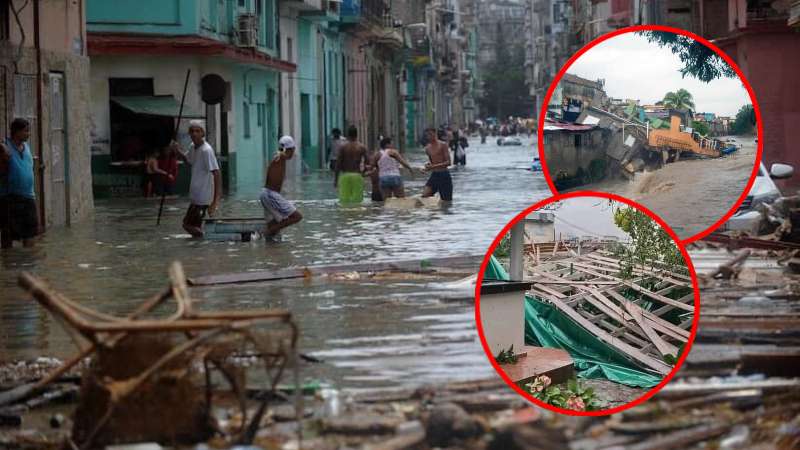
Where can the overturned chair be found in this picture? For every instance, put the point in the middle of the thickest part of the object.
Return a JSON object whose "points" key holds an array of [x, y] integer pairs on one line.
{"points": [[152, 379]]}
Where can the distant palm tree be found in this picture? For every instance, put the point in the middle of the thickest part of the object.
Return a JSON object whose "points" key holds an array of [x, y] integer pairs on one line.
{"points": [[680, 99]]}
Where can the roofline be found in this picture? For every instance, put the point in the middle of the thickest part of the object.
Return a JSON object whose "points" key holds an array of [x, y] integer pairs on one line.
{"points": [[121, 44]]}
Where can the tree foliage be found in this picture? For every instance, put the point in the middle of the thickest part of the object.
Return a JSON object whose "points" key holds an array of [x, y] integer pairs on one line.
{"points": [[698, 60], [680, 99], [649, 242], [700, 127], [505, 91], [745, 121]]}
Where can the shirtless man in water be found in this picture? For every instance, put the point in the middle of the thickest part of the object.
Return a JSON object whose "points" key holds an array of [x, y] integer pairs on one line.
{"points": [[279, 212], [349, 172], [439, 156]]}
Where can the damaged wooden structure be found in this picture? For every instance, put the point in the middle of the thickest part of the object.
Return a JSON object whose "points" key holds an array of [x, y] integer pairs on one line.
{"points": [[629, 315], [156, 379]]}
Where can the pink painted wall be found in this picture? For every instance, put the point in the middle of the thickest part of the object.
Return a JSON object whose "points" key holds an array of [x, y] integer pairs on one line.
{"points": [[61, 25], [770, 60], [356, 88]]}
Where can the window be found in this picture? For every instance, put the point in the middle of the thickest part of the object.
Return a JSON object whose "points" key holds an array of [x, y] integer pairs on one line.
{"points": [[246, 119], [577, 140], [242, 3], [259, 114], [4, 20]]}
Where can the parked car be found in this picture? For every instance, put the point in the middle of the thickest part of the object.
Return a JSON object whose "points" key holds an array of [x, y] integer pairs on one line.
{"points": [[748, 217], [509, 140]]}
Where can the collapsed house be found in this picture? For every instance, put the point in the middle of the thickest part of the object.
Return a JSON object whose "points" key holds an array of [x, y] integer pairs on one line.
{"points": [[579, 310], [589, 137]]}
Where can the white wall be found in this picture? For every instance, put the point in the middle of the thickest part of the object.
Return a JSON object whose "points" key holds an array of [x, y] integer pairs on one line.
{"points": [[503, 320], [168, 75]]}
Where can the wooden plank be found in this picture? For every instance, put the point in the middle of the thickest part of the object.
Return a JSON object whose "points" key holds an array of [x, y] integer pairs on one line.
{"points": [[674, 274], [471, 262], [642, 290], [640, 271], [658, 323], [664, 347], [618, 314], [579, 283], [634, 353], [549, 290]]}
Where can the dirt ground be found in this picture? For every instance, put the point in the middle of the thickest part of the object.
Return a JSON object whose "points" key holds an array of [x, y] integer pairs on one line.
{"points": [[690, 195], [611, 394]]}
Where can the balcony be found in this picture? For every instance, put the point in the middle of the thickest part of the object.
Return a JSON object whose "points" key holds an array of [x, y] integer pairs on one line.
{"points": [[304, 5], [350, 11], [376, 12], [329, 12]]}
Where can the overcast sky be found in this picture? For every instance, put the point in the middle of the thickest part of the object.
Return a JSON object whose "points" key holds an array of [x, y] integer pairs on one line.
{"points": [[586, 216], [634, 68]]}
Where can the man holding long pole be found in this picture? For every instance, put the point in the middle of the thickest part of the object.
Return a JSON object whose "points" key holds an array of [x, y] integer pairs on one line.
{"points": [[205, 188]]}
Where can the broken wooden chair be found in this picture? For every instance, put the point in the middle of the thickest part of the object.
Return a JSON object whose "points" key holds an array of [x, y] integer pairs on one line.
{"points": [[136, 360]]}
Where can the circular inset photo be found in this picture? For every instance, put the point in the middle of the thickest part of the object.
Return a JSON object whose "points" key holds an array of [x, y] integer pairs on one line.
{"points": [[659, 116], [586, 303]]}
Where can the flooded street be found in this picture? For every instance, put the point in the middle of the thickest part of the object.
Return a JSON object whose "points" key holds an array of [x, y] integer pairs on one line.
{"points": [[370, 333], [690, 195]]}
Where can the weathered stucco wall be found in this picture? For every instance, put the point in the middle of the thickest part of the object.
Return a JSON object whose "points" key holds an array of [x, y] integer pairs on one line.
{"points": [[565, 160]]}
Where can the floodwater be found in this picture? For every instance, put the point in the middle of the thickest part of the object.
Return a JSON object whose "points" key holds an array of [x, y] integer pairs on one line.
{"points": [[690, 195], [371, 334]]}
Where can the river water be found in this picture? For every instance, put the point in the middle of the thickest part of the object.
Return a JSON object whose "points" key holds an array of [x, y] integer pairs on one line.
{"points": [[371, 334], [690, 195]]}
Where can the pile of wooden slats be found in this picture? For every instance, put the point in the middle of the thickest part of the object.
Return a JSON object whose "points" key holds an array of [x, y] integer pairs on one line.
{"points": [[583, 285]]}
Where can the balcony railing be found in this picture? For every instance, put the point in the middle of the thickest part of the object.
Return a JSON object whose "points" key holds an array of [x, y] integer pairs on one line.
{"points": [[376, 11]]}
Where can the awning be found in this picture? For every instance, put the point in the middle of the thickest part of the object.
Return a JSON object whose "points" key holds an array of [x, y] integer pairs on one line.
{"points": [[157, 105]]}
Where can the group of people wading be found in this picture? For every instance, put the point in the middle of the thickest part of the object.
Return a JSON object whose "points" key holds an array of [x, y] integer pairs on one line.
{"points": [[351, 162]]}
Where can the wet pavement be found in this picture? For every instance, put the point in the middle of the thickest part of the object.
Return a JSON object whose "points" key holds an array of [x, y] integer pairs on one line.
{"points": [[371, 333], [690, 195]]}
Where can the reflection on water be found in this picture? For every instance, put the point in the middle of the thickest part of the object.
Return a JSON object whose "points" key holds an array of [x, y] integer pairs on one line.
{"points": [[370, 333]]}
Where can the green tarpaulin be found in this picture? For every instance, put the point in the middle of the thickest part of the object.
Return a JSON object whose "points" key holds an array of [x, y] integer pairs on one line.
{"points": [[495, 271], [546, 326], [157, 105]]}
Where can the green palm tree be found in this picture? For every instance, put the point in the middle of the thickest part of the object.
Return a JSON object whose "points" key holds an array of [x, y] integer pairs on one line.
{"points": [[680, 99]]}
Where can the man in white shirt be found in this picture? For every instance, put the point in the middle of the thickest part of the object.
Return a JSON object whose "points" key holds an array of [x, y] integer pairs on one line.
{"points": [[205, 188]]}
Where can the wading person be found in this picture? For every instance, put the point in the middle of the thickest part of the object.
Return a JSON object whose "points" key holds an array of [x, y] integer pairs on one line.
{"points": [[350, 169], [334, 146], [205, 187], [439, 156], [19, 218], [278, 212], [389, 162]]}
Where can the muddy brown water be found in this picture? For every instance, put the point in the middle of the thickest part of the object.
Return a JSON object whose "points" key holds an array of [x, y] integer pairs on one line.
{"points": [[371, 333], [693, 194]]}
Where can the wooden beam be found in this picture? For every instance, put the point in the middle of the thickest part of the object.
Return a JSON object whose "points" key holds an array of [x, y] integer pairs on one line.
{"points": [[471, 262], [648, 361], [664, 347], [657, 322], [642, 290]]}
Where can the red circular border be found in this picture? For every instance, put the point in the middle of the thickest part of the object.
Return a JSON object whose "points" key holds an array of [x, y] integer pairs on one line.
{"points": [[538, 205], [723, 55]]}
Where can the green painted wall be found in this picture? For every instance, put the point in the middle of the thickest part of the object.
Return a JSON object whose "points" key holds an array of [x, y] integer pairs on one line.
{"points": [[255, 126], [215, 19], [308, 84]]}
